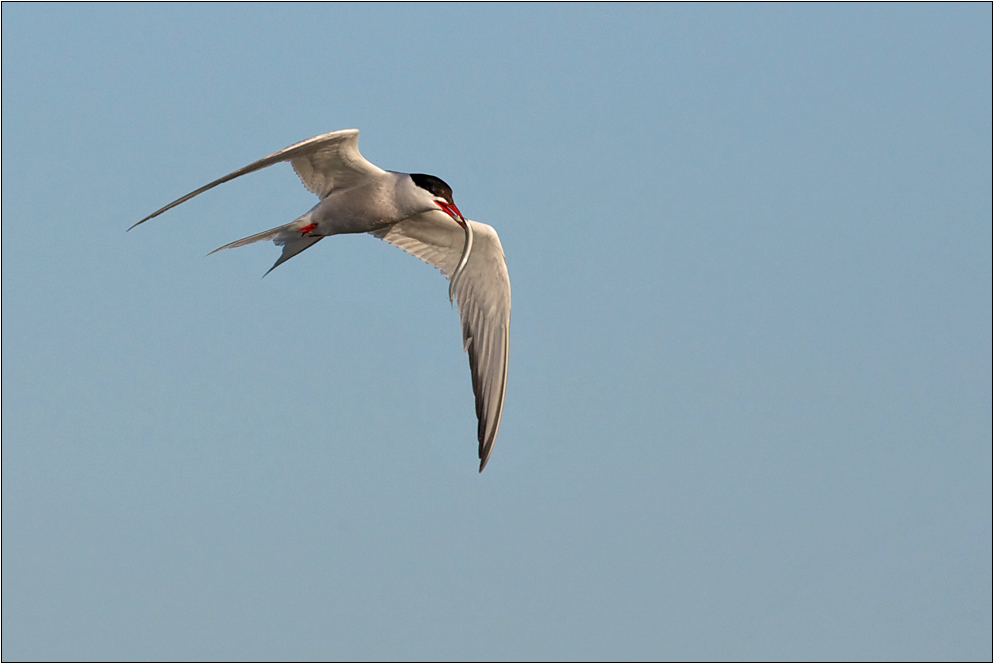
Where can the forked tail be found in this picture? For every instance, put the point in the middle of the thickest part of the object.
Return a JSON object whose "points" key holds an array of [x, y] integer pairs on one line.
{"points": [[293, 237]]}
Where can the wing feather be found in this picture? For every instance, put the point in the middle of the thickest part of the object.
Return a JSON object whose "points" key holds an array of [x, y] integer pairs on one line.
{"points": [[323, 163], [483, 294]]}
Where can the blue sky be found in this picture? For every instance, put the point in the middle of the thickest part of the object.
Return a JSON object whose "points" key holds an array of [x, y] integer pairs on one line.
{"points": [[749, 405]]}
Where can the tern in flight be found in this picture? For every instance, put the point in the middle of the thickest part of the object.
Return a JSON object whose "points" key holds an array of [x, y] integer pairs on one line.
{"points": [[416, 213]]}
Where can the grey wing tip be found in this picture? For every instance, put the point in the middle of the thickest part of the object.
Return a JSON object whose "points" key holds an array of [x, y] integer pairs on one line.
{"points": [[485, 455], [157, 213]]}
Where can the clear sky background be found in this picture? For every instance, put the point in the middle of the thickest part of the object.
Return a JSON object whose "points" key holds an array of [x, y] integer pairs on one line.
{"points": [[749, 406]]}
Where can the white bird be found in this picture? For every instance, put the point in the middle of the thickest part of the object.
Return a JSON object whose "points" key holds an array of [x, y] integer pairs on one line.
{"points": [[416, 213]]}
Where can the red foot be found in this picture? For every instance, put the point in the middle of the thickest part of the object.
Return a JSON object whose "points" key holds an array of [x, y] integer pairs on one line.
{"points": [[304, 230]]}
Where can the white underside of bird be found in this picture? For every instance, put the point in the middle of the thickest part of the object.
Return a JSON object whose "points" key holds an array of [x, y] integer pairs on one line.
{"points": [[413, 212]]}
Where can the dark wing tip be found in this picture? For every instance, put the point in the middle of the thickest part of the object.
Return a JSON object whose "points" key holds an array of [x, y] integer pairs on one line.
{"points": [[486, 432], [142, 221]]}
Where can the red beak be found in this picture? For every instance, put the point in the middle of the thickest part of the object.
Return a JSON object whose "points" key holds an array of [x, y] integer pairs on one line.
{"points": [[451, 210]]}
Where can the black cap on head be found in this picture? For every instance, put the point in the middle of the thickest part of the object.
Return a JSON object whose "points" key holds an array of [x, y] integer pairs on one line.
{"points": [[435, 186]]}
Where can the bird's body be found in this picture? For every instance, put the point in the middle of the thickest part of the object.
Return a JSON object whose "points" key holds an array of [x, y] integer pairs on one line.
{"points": [[367, 206], [416, 213]]}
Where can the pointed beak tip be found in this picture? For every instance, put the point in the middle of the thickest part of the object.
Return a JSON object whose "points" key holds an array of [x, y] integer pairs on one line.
{"points": [[453, 211]]}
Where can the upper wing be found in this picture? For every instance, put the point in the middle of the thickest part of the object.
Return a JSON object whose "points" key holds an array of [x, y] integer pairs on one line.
{"points": [[483, 293], [323, 163]]}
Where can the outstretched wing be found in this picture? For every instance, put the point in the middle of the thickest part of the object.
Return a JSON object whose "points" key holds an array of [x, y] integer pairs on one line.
{"points": [[323, 163], [483, 293]]}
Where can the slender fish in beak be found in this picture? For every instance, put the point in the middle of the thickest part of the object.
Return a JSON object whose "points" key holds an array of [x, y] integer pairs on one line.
{"points": [[466, 248], [450, 209]]}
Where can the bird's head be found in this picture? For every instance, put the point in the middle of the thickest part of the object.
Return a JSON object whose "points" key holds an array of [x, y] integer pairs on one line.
{"points": [[441, 195]]}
